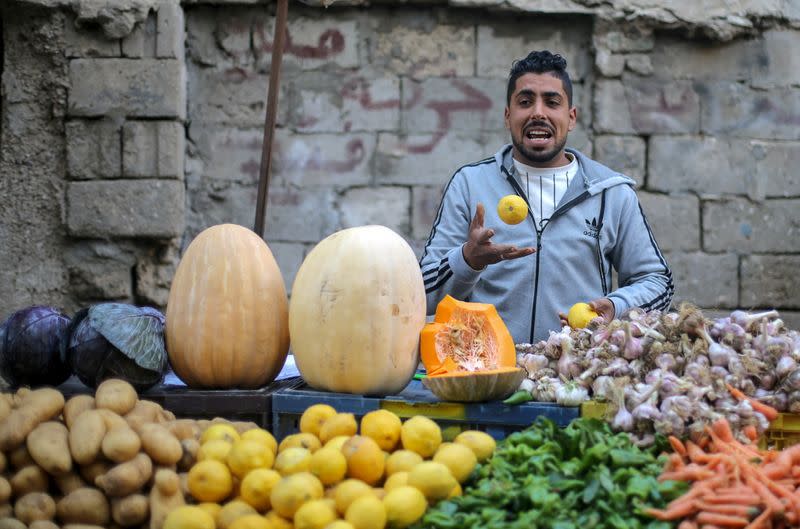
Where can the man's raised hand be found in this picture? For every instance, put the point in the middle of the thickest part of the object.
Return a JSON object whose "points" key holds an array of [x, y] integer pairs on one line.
{"points": [[479, 250]]}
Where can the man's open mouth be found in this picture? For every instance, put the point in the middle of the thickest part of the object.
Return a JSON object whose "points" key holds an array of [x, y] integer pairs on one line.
{"points": [[538, 134]]}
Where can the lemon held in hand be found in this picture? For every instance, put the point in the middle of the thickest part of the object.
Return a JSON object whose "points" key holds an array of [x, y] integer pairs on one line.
{"points": [[580, 314], [512, 209]]}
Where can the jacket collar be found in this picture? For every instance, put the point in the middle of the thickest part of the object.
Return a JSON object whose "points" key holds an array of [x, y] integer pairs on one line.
{"points": [[592, 177]]}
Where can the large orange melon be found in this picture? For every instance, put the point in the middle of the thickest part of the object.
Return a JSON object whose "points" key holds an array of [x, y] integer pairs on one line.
{"points": [[357, 308], [227, 314]]}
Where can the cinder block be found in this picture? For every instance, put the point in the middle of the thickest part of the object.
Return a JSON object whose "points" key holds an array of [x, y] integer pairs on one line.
{"points": [[153, 280], [201, 42], [233, 96], [768, 281], [719, 166], [628, 38], [153, 149], [625, 154], [706, 280], [388, 206], [431, 159], [315, 42], [674, 219], [455, 104], [93, 149], [425, 201], [141, 42], [125, 208], [289, 257], [171, 29], [735, 110], [744, 226], [327, 102], [149, 88], [512, 37], [609, 64], [408, 46], [100, 270], [638, 105]]}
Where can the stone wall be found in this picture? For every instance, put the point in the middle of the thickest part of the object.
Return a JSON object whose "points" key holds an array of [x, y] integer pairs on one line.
{"points": [[122, 138]]}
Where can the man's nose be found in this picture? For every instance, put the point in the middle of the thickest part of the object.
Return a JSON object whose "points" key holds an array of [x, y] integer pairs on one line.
{"points": [[537, 110]]}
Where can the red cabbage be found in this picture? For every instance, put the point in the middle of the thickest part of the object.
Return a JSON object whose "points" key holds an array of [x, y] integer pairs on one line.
{"points": [[30, 344]]}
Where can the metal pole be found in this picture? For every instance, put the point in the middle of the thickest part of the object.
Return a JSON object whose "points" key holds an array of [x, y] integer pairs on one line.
{"points": [[278, 44]]}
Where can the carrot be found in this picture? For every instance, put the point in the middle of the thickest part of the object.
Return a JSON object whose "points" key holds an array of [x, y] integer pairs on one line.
{"points": [[675, 462], [731, 509], [687, 473], [681, 510], [695, 453], [766, 495], [761, 520], [750, 432], [722, 520], [767, 411], [687, 524], [722, 428], [744, 498], [677, 445]]}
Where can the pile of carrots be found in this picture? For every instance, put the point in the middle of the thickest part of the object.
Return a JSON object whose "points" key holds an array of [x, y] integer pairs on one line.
{"points": [[734, 484]]}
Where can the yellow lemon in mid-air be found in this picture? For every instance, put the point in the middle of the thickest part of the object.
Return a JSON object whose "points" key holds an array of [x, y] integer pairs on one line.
{"points": [[579, 315], [512, 209]]}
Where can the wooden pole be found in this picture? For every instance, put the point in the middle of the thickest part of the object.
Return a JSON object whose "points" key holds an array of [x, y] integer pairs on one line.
{"points": [[279, 42]]}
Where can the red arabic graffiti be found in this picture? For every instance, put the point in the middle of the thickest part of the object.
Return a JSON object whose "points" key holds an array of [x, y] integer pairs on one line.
{"points": [[329, 43]]}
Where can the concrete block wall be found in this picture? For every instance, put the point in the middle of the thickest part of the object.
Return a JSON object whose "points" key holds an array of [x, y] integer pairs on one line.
{"points": [[161, 134]]}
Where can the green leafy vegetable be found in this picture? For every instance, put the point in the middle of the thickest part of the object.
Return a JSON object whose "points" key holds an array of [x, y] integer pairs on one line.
{"points": [[582, 476]]}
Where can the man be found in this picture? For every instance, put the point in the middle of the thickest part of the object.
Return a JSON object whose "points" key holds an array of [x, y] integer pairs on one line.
{"points": [[583, 219]]}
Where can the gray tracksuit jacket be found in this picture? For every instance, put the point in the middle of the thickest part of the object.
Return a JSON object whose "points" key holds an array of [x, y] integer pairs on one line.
{"points": [[597, 225]]}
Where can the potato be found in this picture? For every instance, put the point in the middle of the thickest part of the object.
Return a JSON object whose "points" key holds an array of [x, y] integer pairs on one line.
{"points": [[121, 444], [20, 457], [112, 419], [86, 436], [130, 510], [184, 429], [34, 506], [42, 524], [29, 479], [126, 478], [165, 495], [68, 482], [5, 409], [35, 407], [11, 523], [6, 510], [81, 526], [75, 406], [84, 506], [167, 416], [5, 490], [243, 426], [162, 447], [19, 396], [189, 456], [116, 395], [145, 412], [97, 468], [49, 447]]}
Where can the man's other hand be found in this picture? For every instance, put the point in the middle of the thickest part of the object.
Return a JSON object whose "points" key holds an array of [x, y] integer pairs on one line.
{"points": [[479, 250], [603, 307]]}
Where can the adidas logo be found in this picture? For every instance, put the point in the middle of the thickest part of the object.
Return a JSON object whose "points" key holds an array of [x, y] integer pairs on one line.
{"points": [[592, 229]]}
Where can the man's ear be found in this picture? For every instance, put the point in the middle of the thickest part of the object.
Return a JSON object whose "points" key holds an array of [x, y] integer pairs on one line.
{"points": [[573, 118], [506, 115]]}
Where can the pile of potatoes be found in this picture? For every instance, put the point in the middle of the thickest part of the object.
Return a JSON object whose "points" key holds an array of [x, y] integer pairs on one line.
{"points": [[104, 461]]}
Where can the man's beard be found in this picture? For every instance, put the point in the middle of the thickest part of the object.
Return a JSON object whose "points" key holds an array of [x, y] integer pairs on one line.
{"points": [[538, 157]]}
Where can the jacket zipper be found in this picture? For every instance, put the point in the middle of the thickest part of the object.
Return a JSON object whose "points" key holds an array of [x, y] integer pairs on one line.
{"points": [[539, 233]]}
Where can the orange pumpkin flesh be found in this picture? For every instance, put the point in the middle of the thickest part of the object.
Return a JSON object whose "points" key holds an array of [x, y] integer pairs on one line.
{"points": [[466, 337]]}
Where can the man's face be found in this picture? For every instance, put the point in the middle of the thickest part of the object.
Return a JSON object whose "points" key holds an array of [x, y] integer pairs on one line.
{"points": [[539, 118]]}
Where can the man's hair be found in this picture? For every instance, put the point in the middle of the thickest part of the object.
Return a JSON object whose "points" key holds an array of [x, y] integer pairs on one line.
{"points": [[540, 62]]}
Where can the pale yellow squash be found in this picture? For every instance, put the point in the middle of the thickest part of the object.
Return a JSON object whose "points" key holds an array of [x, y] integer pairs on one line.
{"points": [[357, 308], [227, 314]]}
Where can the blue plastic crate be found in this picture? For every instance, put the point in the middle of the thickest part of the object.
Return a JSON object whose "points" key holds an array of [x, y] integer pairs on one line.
{"points": [[494, 418]]}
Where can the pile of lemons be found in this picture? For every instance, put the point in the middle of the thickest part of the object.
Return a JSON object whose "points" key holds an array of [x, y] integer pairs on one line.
{"points": [[331, 475]]}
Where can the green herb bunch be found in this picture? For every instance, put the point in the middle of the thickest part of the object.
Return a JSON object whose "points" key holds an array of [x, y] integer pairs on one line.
{"points": [[583, 476]]}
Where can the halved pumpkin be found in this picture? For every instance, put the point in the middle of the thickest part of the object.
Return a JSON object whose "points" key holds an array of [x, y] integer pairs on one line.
{"points": [[465, 386], [466, 336]]}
